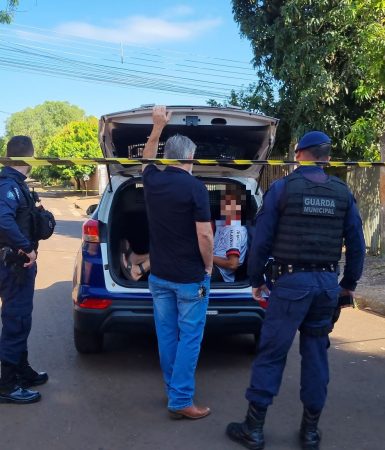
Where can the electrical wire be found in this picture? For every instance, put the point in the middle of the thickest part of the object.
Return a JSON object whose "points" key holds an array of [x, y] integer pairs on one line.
{"points": [[128, 58], [71, 37], [52, 54], [95, 72]]}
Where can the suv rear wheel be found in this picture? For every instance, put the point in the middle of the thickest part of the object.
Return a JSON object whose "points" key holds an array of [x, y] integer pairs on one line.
{"points": [[88, 342]]}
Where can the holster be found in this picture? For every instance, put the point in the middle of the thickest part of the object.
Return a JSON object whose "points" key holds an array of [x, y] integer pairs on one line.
{"points": [[14, 261]]}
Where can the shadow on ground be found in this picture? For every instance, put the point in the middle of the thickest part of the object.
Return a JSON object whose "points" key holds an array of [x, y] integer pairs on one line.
{"points": [[69, 228], [118, 396]]}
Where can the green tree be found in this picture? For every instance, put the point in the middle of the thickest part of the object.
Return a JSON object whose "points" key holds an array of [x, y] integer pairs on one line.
{"points": [[6, 15], [325, 61], [42, 122], [2, 146], [75, 140], [368, 130]]}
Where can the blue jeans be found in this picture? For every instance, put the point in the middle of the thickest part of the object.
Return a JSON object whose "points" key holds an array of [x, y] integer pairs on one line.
{"points": [[180, 316], [297, 300]]}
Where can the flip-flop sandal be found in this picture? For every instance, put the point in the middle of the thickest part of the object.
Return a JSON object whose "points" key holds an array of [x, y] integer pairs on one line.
{"points": [[141, 268], [145, 273]]}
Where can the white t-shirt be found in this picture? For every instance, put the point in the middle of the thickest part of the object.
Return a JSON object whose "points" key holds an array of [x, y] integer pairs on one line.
{"points": [[230, 240]]}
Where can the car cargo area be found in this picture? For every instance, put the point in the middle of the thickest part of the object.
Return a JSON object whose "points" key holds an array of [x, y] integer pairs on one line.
{"points": [[128, 221]]}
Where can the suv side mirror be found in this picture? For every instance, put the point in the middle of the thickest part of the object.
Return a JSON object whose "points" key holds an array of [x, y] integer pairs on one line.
{"points": [[91, 209]]}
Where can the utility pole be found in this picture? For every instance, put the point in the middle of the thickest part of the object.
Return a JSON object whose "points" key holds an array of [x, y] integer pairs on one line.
{"points": [[382, 197]]}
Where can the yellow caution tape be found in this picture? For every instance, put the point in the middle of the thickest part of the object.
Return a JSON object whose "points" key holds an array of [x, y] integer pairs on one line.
{"points": [[37, 162], [47, 191]]}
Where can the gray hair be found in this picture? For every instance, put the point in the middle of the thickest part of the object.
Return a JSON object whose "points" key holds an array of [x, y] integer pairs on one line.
{"points": [[179, 147]]}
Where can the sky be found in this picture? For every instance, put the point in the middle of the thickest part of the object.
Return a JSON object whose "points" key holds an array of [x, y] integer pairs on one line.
{"points": [[116, 55]]}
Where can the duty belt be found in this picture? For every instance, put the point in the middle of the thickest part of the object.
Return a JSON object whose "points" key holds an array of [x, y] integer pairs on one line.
{"points": [[292, 268]]}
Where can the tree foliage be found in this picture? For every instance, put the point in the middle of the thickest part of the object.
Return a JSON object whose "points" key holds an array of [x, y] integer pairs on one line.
{"points": [[2, 146], [325, 60], [77, 139], [42, 122], [6, 14]]}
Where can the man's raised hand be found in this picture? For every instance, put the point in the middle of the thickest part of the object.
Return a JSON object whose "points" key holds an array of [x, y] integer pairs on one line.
{"points": [[160, 116]]}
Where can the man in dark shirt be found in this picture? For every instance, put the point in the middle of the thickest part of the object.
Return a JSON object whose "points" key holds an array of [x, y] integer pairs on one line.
{"points": [[181, 254], [305, 219]]}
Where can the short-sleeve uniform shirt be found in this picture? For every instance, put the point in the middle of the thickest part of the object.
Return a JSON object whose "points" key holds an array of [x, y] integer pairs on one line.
{"points": [[230, 240], [175, 201]]}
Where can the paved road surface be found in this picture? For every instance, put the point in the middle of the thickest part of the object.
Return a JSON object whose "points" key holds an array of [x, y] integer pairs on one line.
{"points": [[115, 401]]}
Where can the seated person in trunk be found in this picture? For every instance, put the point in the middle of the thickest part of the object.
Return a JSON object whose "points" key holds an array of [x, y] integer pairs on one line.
{"points": [[230, 239], [230, 243], [134, 266]]}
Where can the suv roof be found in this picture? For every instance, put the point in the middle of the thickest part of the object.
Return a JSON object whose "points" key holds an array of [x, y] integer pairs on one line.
{"points": [[220, 133]]}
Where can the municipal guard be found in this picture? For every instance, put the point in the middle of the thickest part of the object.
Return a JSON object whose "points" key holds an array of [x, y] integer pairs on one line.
{"points": [[17, 279], [305, 220]]}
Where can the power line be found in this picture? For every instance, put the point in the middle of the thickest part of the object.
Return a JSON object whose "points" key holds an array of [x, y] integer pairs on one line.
{"points": [[140, 72], [48, 64], [159, 58], [36, 59], [71, 57], [167, 61], [69, 36], [56, 63]]}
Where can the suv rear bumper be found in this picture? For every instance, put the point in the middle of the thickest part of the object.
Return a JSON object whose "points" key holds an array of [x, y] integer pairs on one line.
{"points": [[125, 318]]}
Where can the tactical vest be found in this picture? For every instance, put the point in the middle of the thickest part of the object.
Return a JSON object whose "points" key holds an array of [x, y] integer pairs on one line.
{"points": [[24, 218], [310, 227]]}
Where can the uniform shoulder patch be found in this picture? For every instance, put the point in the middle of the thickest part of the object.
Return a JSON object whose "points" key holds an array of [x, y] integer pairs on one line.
{"points": [[11, 195]]}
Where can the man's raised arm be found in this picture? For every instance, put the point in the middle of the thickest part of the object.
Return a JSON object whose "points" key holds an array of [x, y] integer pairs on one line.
{"points": [[160, 118]]}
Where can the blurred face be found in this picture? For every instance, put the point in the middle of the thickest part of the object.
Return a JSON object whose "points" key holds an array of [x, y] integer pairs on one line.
{"points": [[231, 207], [32, 153]]}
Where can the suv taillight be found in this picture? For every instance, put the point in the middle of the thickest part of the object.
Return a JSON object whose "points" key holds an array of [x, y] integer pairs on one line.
{"points": [[90, 231], [95, 303]]}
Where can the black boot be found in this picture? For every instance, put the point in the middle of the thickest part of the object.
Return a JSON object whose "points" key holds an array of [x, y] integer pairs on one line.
{"points": [[310, 435], [250, 432], [28, 377], [10, 391]]}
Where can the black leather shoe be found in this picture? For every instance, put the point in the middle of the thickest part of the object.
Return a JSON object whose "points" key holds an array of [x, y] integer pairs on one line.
{"points": [[310, 440], [26, 376], [250, 432], [35, 380], [310, 435], [238, 433], [19, 396]]}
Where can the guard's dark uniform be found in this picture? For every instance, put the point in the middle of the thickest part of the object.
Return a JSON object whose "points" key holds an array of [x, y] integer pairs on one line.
{"points": [[16, 286], [304, 220]]}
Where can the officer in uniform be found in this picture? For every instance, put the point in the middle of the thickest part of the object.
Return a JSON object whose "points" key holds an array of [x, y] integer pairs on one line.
{"points": [[17, 279], [305, 219]]}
